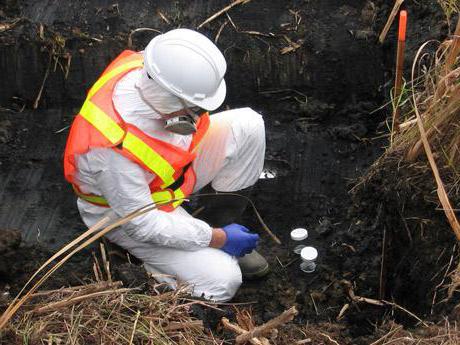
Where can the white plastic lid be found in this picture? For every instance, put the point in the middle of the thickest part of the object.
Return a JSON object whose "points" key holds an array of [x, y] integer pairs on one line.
{"points": [[309, 254], [299, 234]]}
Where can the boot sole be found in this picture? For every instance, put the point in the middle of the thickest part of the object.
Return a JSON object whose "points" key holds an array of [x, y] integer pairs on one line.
{"points": [[256, 275]]}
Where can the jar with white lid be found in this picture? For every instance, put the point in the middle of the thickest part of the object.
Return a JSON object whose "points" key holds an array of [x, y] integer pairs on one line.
{"points": [[299, 236], [308, 256]]}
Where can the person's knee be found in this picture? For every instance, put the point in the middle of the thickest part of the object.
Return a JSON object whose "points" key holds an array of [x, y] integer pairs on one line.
{"points": [[222, 283], [225, 287], [251, 127]]}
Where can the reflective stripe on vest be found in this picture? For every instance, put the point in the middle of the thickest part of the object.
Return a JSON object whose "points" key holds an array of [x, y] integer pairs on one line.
{"points": [[113, 132], [150, 158], [102, 122], [160, 197], [109, 75]]}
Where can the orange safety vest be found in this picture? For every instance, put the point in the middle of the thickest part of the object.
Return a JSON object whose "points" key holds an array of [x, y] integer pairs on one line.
{"points": [[98, 124]]}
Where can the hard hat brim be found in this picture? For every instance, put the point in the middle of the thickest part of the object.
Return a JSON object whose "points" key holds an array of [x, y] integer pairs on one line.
{"points": [[214, 102]]}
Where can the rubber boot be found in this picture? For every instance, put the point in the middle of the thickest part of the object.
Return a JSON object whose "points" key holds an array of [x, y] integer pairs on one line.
{"points": [[224, 209]]}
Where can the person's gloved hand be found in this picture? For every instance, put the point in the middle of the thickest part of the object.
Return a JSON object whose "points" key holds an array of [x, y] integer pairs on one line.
{"points": [[239, 240]]}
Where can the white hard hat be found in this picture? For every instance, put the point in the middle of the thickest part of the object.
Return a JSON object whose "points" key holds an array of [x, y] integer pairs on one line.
{"points": [[189, 65]]}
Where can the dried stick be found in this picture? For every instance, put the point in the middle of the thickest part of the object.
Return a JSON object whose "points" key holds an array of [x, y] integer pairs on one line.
{"points": [[382, 264], [285, 317], [220, 31], [96, 287], [329, 338], [134, 327], [443, 279], [390, 333], [342, 311], [42, 86], [105, 262], [175, 326], [222, 11], [380, 303], [130, 36], [75, 300], [238, 330], [77, 289], [390, 20], [259, 217]]}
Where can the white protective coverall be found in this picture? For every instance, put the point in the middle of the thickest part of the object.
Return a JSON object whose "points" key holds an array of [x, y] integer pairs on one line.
{"points": [[174, 245]]}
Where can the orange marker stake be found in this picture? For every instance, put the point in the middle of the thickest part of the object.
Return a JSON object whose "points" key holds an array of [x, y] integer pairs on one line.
{"points": [[399, 70]]}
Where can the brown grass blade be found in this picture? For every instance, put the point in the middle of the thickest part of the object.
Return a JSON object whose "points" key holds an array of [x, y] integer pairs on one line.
{"points": [[455, 49]]}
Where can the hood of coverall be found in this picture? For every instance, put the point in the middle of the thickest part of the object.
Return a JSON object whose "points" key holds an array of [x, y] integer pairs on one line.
{"points": [[157, 97]]}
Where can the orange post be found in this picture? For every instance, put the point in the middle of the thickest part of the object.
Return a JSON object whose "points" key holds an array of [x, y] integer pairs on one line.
{"points": [[399, 69]]}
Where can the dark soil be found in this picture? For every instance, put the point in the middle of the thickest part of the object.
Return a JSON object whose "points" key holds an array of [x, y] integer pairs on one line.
{"points": [[323, 132]]}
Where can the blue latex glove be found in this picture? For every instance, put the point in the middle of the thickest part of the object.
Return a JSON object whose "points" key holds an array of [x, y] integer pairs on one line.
{"points": [[239, 240]]}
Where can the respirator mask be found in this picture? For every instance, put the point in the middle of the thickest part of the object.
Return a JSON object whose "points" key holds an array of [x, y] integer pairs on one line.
{"points": [[183, 121], [179, 117]]}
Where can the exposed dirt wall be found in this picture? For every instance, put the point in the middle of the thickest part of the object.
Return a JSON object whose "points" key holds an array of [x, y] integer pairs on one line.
{"points": [[319, 103]]}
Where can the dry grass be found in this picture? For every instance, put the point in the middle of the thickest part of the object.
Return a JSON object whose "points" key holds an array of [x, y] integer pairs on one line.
{"points": [[433, 120], [445, 333], [449, 7], [454, 285], [435, 90], [111, 316], [431, 132], [436, 94]]}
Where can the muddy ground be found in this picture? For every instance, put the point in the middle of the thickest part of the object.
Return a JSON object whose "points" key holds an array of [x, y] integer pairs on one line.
{"points": [[320, 102]]}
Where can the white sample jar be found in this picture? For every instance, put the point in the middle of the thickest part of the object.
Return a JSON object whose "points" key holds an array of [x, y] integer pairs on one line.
{"points": [[308, 256], [298, 235]]}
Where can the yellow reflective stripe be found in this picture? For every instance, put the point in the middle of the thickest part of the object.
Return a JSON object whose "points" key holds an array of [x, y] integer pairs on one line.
{"points": [[161, 196], [150, 158], [96, 199], [109, 75], [102, 122], [178, 194]]}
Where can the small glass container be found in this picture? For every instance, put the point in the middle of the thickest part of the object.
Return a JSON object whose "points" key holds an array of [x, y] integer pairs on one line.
{"points": [[299, 235], [308, 256]]}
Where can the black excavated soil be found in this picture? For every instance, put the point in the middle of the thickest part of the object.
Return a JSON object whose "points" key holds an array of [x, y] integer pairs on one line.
{"points": [[319, 102]]}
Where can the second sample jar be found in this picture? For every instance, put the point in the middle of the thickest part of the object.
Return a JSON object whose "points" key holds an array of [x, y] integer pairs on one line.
{"points": [[299, 235], [308, 256]]}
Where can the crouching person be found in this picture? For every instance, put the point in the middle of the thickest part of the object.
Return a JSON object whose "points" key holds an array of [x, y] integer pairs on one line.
{"points": [[143, 135]]}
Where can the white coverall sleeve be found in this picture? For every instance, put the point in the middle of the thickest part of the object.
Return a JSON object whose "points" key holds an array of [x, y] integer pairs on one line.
{"points": [[124, 184]]}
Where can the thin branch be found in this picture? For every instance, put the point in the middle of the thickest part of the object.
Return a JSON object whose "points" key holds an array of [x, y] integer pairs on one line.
{"points": [[390, 20], [222, 11], [285, 317], [238, 330]]}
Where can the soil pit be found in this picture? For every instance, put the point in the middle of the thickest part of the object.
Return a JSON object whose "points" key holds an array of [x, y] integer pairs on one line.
{"points": [[319, 103]]}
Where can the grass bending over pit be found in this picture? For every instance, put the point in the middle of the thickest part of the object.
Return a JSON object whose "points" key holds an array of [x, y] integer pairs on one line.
{"points": [[417, 184]]}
